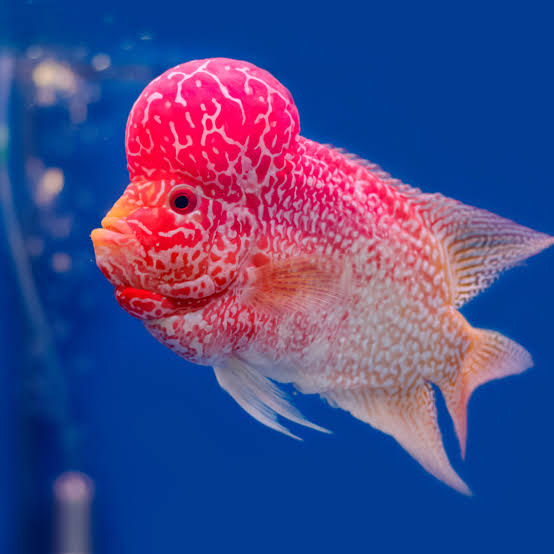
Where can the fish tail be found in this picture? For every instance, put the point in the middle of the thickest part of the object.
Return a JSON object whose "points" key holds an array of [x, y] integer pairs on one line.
{"points": [[490, 356], [409, 413]]}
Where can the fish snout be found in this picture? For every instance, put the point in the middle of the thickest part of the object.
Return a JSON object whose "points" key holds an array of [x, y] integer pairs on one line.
{"points": [[123, 207], [114, 232], [116, 224]]}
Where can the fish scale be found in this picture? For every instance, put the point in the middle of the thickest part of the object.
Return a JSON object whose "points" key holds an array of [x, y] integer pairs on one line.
{"points": [[290, 261]]}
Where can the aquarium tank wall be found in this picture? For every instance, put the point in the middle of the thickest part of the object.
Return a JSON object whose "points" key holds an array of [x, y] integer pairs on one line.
{"points": [[109, 442]]}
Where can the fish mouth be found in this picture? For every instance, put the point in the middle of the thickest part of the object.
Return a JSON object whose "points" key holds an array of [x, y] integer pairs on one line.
{"points": [[106, 237], [114, 232], [116, 225], [115, 236]]}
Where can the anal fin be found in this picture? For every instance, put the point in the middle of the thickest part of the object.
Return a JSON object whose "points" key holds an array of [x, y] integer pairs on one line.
{"points": [[260, 397], [491, 356], [410, 417]]}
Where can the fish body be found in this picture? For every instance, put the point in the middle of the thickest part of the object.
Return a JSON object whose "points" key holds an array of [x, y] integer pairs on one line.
{"points": [[244, 246]]}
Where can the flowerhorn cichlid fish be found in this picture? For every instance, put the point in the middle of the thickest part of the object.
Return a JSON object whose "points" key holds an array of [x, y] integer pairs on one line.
{"points": [[244, 246]]}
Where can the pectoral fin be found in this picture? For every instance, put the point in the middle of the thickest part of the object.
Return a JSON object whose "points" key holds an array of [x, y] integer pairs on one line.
{"points": [[410, 417], [302, 284], [259, 396]]}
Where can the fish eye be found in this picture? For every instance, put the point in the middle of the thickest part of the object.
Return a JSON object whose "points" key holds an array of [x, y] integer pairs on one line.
{"points": [[182, 199]]}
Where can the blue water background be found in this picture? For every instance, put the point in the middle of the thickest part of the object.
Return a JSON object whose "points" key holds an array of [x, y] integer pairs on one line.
{"points": [[453, 97]]}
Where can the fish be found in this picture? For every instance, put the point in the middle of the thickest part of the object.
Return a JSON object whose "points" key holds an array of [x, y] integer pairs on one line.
{"points": [[282, 262]]}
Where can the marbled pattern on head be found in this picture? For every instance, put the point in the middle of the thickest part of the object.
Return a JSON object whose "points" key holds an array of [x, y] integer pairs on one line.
{"points": [[223, 122]]}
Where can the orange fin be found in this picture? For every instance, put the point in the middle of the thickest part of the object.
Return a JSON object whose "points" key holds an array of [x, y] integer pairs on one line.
{"points": [[302, 284], [410, 417], [491, 356], [479, 244], [259, 396]]}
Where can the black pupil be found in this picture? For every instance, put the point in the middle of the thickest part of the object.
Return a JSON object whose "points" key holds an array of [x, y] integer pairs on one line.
{"points": [[181, 202]]}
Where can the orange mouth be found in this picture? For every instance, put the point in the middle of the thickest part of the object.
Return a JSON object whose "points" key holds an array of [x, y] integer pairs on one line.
{"points": [[110, 242], [114, 231], [115, 247], [106, 237], [116, 224]]}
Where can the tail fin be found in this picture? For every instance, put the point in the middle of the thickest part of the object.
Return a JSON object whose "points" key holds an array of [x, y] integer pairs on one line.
{"points": [[409, 415], [490, 356]]}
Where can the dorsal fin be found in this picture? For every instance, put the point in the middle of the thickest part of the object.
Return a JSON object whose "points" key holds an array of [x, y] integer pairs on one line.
{"points": [[259, 396], [478, 243]]}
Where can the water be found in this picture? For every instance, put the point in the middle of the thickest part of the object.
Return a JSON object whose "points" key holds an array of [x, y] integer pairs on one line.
{"points": [[452, 99]]}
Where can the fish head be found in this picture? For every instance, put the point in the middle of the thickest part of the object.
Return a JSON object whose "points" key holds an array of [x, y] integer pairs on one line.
{"points": [[202, 141], [166, 236]]}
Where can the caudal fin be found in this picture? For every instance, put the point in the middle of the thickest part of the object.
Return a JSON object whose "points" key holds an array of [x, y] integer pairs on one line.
{"points": [[490, 356], [409, 415]]}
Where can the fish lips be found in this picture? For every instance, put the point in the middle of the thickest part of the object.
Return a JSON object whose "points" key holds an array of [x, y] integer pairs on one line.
{"points": [[110, 243], [114, 233], [107, 238], [113, 243], [110, 249]]}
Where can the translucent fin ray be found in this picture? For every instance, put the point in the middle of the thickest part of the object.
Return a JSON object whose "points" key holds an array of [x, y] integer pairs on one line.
{"points": [[260, 397], [304, 284], [410, 417]]}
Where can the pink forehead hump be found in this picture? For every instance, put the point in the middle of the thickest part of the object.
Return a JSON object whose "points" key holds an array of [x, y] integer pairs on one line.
{"points": [[217, 120]]}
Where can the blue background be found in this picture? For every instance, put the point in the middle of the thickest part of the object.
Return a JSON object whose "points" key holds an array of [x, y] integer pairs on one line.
{"points": [[452, 97]]}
